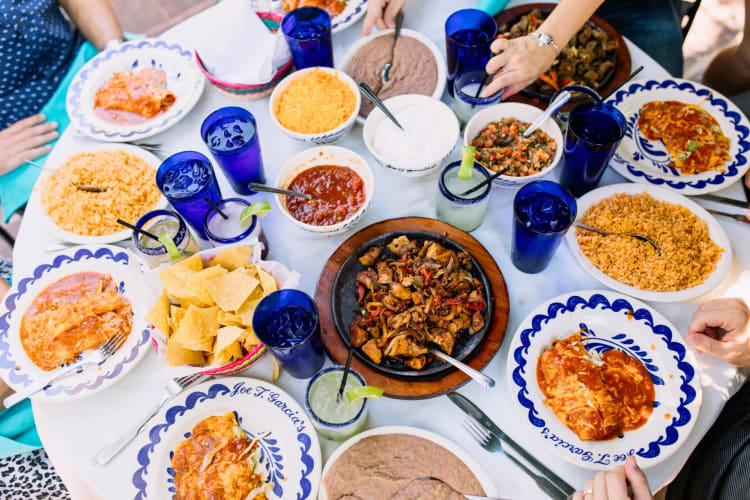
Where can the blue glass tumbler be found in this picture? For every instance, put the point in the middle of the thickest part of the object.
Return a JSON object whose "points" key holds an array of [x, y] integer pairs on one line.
{"points": [[468, 35], [542, 213], [594, 132], [308, 33], [231, 135], [187, 180], [286, 321]]}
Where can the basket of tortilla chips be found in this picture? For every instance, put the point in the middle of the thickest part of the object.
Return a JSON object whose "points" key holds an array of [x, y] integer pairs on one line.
{"points": [[205, 310]]}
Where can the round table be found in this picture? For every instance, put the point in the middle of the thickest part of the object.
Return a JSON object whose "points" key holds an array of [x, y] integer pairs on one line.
{"points": [[73, 432]]}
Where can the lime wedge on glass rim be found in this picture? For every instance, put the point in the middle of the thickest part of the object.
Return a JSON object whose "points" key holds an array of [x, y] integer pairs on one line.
{"points": [[259, 208], [363, 391], [467, 162], [168, 243]]}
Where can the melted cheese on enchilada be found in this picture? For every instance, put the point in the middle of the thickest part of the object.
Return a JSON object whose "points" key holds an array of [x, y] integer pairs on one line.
{"points": [[596, 397], [133, 97], [76, 313]]}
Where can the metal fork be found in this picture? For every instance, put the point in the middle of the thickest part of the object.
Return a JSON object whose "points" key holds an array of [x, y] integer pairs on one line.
{"points": [[171, 389], [491, 443], [149, 146], [96, 356]]}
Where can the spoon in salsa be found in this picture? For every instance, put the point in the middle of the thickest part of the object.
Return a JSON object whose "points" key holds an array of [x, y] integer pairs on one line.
{"points": [[268, 189]]}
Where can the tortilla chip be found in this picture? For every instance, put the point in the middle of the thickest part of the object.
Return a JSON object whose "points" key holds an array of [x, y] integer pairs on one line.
{"points": [[196, 286], [233, 258], [176, 313], [178, 355], [246, 310], [267, 281], [230, 290], [226, 336], [198, 328], [159, 314], [229, 319], [175, 276], [236, 350], [249, 339]]}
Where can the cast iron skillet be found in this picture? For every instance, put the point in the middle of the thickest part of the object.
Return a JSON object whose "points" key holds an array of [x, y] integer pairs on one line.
{"points": [[345, 307]]}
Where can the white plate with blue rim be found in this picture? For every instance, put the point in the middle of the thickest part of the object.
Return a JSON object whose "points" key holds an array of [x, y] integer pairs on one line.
{"points": [[184, 79], [290, 450], [18, 371], [352, 13], [612, 321], [644, 161]]}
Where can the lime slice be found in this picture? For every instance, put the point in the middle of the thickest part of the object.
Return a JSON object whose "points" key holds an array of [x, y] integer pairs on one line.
{"points": [[365, 391], [467, 162], [259, 208], [168, 243]]}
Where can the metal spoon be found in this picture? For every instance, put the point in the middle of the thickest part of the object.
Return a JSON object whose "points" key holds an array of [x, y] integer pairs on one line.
{"points": [[432, 478], [385, 74], [632, 235], [478, 376], [367, 91], [559, 102], [268, 189], [82, 187]]}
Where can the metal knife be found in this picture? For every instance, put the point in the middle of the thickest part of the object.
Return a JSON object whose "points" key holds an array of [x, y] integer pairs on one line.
{"points": [[471, 409], [737, 217], [722, 199]]}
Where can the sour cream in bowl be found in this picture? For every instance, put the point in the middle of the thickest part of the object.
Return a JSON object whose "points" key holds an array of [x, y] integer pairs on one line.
{"points": [[430, 133]]}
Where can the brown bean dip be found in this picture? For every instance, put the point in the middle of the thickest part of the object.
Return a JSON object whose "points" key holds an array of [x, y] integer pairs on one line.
{"points": [[414, 69], [397, 466]]}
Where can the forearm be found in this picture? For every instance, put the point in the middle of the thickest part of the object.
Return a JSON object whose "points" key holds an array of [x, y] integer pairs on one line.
{"points": [[567, 18], [95, 19]]}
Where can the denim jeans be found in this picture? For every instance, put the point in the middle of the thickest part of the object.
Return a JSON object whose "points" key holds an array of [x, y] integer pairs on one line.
{"points": [[653, 25]]}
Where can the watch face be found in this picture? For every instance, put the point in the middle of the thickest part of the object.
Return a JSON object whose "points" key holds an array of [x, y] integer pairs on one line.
{"points": [[545, 39]]}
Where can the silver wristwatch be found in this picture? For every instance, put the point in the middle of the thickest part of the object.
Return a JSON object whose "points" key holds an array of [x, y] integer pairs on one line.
{"points": [[545, 40]]}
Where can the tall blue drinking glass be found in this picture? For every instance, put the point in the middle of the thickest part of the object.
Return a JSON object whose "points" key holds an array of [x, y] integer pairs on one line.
{"points": [[542, 213], [595, 129], [287, 322], [187, 180], [308, 33], [231, 135], [468, 35]]}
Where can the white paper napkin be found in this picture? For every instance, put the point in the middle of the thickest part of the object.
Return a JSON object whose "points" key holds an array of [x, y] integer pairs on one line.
{"points": [[236, 46]]}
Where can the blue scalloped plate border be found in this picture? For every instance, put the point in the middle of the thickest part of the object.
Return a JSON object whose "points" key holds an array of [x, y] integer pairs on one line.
{"points": [[690, 185], [566, 444], [8, 364], [211, 394]]}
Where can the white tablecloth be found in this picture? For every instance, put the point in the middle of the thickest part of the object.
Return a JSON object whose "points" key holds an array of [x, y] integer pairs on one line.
{"points": [[73, 432]]}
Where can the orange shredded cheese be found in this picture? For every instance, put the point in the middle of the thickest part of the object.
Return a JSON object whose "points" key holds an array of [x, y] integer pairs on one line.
{"points": [[314, 103]]}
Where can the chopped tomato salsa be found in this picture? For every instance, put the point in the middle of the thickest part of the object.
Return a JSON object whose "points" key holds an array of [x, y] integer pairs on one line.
{"points": [[338, 192], [502, 144]]}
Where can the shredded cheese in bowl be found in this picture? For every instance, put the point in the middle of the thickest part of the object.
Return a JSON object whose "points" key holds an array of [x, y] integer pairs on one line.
{"points": [[315, 102]]}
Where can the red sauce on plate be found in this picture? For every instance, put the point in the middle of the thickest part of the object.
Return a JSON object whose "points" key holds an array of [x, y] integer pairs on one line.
{"points": [[120, 117], [338, 193]]}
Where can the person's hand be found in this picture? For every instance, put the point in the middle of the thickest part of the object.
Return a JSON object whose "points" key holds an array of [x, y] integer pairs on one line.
{"points": [[381, 13], [733, 317], [518, 62], [25, 140], [613, 484]]}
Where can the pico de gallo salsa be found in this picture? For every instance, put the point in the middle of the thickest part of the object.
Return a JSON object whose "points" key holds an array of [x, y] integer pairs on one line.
{"points": [[338, 193], [502, 144]]}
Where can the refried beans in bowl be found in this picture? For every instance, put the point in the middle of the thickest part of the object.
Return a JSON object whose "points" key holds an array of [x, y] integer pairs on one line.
{"points": [[398, 466]]}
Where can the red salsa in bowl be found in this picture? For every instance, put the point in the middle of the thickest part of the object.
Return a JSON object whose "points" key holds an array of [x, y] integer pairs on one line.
{"points": [[338, 193]]}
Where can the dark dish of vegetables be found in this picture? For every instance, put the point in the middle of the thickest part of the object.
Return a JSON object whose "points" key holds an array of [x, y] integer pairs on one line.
{"points": [[501, 144], [588, 59]]}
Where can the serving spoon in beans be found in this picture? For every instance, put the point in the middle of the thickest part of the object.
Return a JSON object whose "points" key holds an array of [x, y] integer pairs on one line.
{"points": [[608, 233]]}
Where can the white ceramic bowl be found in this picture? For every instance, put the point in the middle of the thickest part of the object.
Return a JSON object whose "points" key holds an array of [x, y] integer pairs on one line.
{"points": [[325, 137], [525, 113], [442, 70], [444, 116], [325, 155], [485, 480]]}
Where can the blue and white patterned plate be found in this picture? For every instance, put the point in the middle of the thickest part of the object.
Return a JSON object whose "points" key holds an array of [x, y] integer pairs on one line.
{"points": [[290, 450], [18, 371], [641, 160], [353, 11], [613, 321], [183, 78]]}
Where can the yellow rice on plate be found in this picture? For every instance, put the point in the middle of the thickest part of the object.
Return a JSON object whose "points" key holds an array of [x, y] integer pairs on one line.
{"points": [[130, 192], [314, 103], [689, 255]]}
